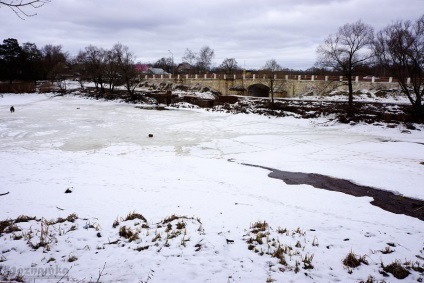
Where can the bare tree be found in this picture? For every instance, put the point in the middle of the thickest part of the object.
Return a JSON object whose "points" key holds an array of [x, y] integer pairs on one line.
{"points": [[271, 67], [204, 59], [93, 62], [19, 7], [53, 61], [347, 51], [400, 49], [189, 57], [33, 57], [111, 67], [164, 63], [229, 66], [126, 68]]}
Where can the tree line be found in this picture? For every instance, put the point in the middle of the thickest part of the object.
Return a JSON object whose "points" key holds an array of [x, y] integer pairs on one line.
{"points": [[30, 63], [355, 49]]}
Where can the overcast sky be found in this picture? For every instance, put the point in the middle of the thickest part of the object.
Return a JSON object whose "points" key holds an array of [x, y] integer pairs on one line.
{"points": [[251, 31]]}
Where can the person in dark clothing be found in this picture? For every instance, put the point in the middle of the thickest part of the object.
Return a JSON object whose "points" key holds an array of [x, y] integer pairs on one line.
{"points": [[12, 109]]}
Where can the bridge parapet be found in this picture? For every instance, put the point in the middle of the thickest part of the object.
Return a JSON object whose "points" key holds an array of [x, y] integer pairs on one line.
{"points": [[207, 76], [283, 85]]}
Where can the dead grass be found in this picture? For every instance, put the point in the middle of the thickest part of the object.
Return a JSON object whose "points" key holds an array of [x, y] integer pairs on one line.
{"points": [[387, 250], [371, 279], [12, 228], [396, 269], [4, 224], [170, 219], [307, 261], [352, 260], [259, 227], [115, 223], [180, 225], [72, 258], [128, 234], [133, 215], [70, 218], [24, 218]]}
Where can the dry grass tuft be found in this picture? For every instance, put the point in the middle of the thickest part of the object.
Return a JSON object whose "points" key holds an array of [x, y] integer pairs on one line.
{"points": [[396, 269], [351, 260], [133, 215]]}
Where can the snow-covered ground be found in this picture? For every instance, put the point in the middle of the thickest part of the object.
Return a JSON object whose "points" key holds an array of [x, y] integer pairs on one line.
{"points": [[363, 95], [189, 184]]}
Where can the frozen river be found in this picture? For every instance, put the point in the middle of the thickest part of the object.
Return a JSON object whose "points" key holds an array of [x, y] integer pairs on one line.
{"points": [[384, 158], [102, 151]]}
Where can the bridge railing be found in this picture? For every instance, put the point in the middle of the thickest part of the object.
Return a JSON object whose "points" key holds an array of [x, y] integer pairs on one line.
{"points": [[213, 76]]}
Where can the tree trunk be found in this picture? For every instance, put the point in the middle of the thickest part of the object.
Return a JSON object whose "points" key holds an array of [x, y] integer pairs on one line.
{"points": [[418, 104], [102, 89], [349, 83], [272, 91]]}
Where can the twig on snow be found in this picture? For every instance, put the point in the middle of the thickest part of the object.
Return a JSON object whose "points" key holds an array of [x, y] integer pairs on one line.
{"points": [[101, 273], [64, 275]]}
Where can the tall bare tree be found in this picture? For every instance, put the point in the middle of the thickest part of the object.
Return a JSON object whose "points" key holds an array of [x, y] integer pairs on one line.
{"points": [[347, 51], [53, 61], [126, 68], [33, 58], [189, 57], [204, 59], [400, 49], [271, 67], [19, 7], [92, 59], [229, 65]]}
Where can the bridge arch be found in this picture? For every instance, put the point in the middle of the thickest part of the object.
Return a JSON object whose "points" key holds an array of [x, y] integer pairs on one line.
{"points": [[258, 90]]}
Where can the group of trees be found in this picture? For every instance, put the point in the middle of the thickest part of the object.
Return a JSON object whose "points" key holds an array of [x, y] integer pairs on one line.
{"points": [[196, 62], [115, 66], [28, 62], [398, 49]]}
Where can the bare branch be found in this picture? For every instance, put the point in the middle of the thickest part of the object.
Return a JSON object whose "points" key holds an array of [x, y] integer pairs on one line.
{"points": [[17, 6]]}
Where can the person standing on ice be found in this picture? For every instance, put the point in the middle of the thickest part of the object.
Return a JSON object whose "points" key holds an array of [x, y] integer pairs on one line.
{"points": [[12, 109]]}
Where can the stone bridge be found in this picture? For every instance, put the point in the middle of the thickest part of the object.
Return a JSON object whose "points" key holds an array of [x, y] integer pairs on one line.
{"points": [[284, 86]]}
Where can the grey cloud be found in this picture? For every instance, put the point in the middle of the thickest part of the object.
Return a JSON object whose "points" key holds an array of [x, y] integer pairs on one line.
{"points": [[251, 31]]}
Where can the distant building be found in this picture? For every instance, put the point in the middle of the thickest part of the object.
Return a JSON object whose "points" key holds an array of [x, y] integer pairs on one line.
{"points": [[184, 68], [157, 71], [141, 68]]}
